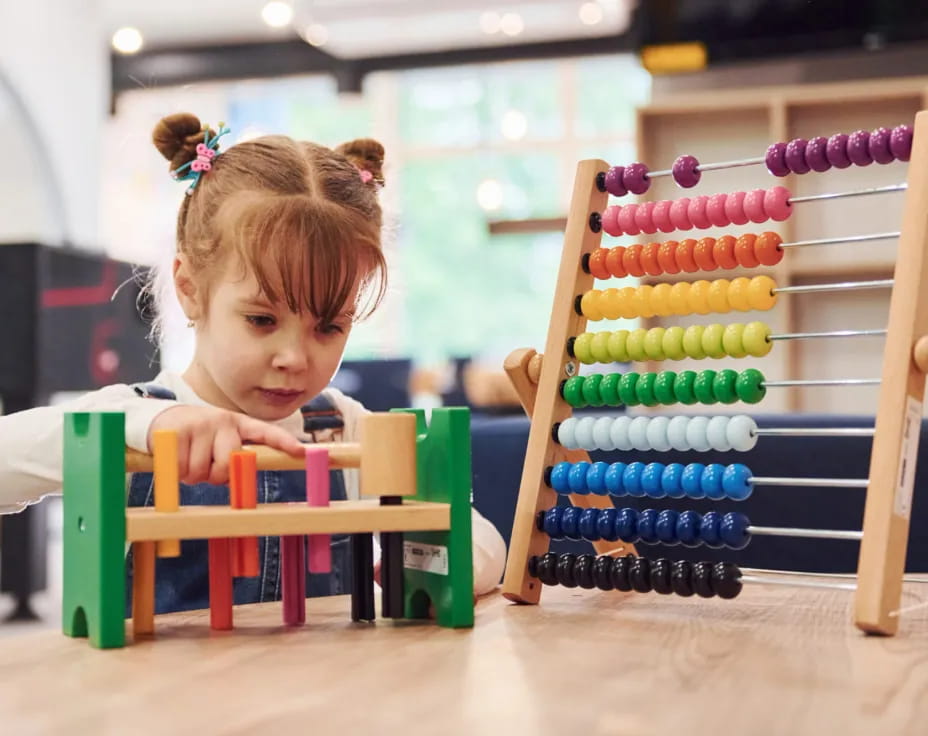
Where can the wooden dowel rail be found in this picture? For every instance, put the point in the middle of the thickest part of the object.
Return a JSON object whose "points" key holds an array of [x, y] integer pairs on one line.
{"points": [[341, 455]]}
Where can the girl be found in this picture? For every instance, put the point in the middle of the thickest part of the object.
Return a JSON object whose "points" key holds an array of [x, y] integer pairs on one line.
{"points": [[278, 254]]}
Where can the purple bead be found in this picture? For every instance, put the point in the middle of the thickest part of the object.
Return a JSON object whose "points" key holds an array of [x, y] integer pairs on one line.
{"points": [[614, 184], [815, 154], [796, 156], [879, 146], [776, 159], [836, 150], [635, 178], [858, 148], [900, 142], [686, 172]]}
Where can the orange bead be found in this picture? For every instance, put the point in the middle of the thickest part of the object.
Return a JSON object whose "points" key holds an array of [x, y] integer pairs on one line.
{"points": [[767, 248], [702, 254], [649, 260], [598, 263], [614, 262], [744, 251], [684, 255], [632, 260], [724, 252], [667, 256]]}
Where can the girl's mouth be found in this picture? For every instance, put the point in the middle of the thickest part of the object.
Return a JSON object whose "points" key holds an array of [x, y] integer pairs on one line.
{"points": [[280, 396]]}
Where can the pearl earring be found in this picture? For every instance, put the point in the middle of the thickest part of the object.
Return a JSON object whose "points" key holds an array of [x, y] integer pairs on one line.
{"points": [[189, 323]]}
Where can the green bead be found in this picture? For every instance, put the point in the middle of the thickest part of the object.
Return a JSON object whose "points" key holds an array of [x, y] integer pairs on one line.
{"points": [[609, 389], [582, 347], [627, 386], [617, 350], [673, 343], [712, 341], [635, 344], [573, 392], [591, 389], [644, 389], [599, 347], [756, 339], [654, 343], [702, 387], [692, 341], [724, 386], [749, 386], [683, 387], [732, 340], [663, 387]]}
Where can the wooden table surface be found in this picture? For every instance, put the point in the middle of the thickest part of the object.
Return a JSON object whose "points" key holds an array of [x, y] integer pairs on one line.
{"points": [[774, 661]]}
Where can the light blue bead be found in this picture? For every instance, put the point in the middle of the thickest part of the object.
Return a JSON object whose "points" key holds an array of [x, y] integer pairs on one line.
{"points": [[596, 478], [651, 480], [576, 479], [735, 482], [671, 480], [559, 475], [711, 481], [614, 479], [691, 480], [631, 479]]}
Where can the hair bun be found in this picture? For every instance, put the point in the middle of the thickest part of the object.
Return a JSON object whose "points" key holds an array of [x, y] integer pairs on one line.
{"points": [[176, 137], [365, 153]]}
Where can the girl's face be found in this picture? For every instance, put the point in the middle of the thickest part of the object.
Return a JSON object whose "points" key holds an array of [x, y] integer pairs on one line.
{"points": [[259, 358]]}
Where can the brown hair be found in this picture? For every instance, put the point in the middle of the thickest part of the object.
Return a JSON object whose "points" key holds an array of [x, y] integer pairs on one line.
{"points": [[298, 214]]}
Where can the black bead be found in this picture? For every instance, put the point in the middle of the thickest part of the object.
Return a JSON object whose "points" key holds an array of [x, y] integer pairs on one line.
{"points": [[540, 521], [596, 222], [602, 573], [547, 568], [533, 566], [639, 573], [565, 570], [570, 346], [681, 578], [620, 573], [554, 432], [702, 579], [660, 576], [601, 181], [577, 308], [726, 579], [585, 263], [584, 571]]}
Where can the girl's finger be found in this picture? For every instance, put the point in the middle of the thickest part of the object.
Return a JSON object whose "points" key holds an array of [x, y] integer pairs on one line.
{"points": [[201, 456], [254, 430], [226, 442]]}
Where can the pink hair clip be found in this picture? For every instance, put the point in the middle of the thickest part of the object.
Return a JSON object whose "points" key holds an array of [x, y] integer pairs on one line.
{"points": [[366, 176], [205, 155]]}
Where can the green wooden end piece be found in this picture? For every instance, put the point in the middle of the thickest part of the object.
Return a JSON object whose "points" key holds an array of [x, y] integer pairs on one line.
{"points": [[94, 587], [439, 566]]}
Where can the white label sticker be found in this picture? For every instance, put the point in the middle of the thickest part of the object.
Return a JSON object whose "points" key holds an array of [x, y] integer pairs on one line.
{"points": [[426, 557], [908, 453]]}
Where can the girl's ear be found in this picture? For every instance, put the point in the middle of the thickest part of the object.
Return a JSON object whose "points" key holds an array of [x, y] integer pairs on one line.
{"points": [[186, 290]]}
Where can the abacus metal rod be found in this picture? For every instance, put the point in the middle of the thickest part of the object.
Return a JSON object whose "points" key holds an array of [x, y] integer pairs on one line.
{"points": [[911, 578], [713, 166], [853, 193], [844, 239], [836, 333], [810, 482], [841, 286], [789, 531], [815, 431], [823, 382], [763, 580]]}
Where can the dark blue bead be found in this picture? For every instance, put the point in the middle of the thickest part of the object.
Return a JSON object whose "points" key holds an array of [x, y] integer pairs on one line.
{"points": [[559, 477], [666, 526], [688, 528], [709, 529], [626, 525], [646, 521], [734, 530], [651, 480], [631, 479], [552, 522], [605, 525], [570, 521], [587, 524], [691, 480], [576, 479], [671, 479], [711, 481], [596, 478], [735, 482], [614, 484]]}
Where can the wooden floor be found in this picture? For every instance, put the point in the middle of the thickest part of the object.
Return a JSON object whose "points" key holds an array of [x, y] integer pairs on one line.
{"points": [[774, 661]]}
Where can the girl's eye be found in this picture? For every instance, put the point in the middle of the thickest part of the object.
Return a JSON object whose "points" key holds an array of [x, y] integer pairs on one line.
{"points": [[331, 329], [260, 320]]}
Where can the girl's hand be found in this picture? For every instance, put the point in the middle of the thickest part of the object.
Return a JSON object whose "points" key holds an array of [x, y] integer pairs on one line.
{"points": [[206, 436]]}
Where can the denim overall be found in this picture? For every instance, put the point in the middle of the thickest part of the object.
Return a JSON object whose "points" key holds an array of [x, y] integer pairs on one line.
{"points": [[182, 583]]}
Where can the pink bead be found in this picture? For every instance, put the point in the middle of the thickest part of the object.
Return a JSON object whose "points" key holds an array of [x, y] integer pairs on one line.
{"points": [[696, 212], [679, 214], [643, 217], [611, 220], [776, 203], [754, 205], [627, 220], [715, 210], [734, 208], [661, 216]]}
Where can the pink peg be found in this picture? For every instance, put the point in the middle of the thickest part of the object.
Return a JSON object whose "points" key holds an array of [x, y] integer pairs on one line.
{"points": [[679, 214], [715, 210], [611, 220], [643, 217], [317, 494], [661, 216], [754, 205], [734, 208], [627, 223], [293, 579], [777, 204], [696, 212]]}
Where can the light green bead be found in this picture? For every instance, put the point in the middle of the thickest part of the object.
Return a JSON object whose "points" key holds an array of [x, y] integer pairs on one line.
{"points": [[617, 351], [582, 347], [599, 347], [755, 339], [654, 343], [673, 343], [635, 344], [712, 340], [732, 340], [692, 341]]}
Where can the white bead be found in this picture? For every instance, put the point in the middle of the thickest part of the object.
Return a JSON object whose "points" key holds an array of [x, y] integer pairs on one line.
{"points": [[619, 433], [742, 433], [696, 434], [584, 433], [566, 433], [601, 433], [716, 433], [657, 434], [638, 433], [676, 433]]}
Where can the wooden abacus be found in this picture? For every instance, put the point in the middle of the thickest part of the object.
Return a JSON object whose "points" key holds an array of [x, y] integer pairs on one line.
{"points": [[417, 484], [550, 386]]}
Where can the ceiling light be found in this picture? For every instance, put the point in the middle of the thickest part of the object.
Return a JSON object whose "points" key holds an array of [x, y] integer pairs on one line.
{"points": [[591, 13], [514, 125], [490, 22], [511, 24], [316, 34], [277, 14], [127, 40], [490, 195]]}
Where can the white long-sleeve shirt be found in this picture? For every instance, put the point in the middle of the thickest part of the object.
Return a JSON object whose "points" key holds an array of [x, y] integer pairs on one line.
{"points": [[31, 453]]}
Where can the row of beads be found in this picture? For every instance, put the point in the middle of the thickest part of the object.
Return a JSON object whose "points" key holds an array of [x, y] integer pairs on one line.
{"points": [[718, 210], [722, 433], [689, 528], [860, 148], [716, 340], [706, 254], [665, 387], [700, 297], [654, 480], [705, 579]]}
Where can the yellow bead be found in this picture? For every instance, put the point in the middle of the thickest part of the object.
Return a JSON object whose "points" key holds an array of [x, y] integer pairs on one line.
{"points": [[610, 302], [760, 293], [642, 301], [617, 351], [698, 298], [654, 343], [599, 347], [660, 300], [589, 305], [582, 347], [634, 345], [628, 302], [678, 303], [756, 339], [692, 341], [718, 296], [673, 343], [733, 342], [738, 294], [712, 340]]}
